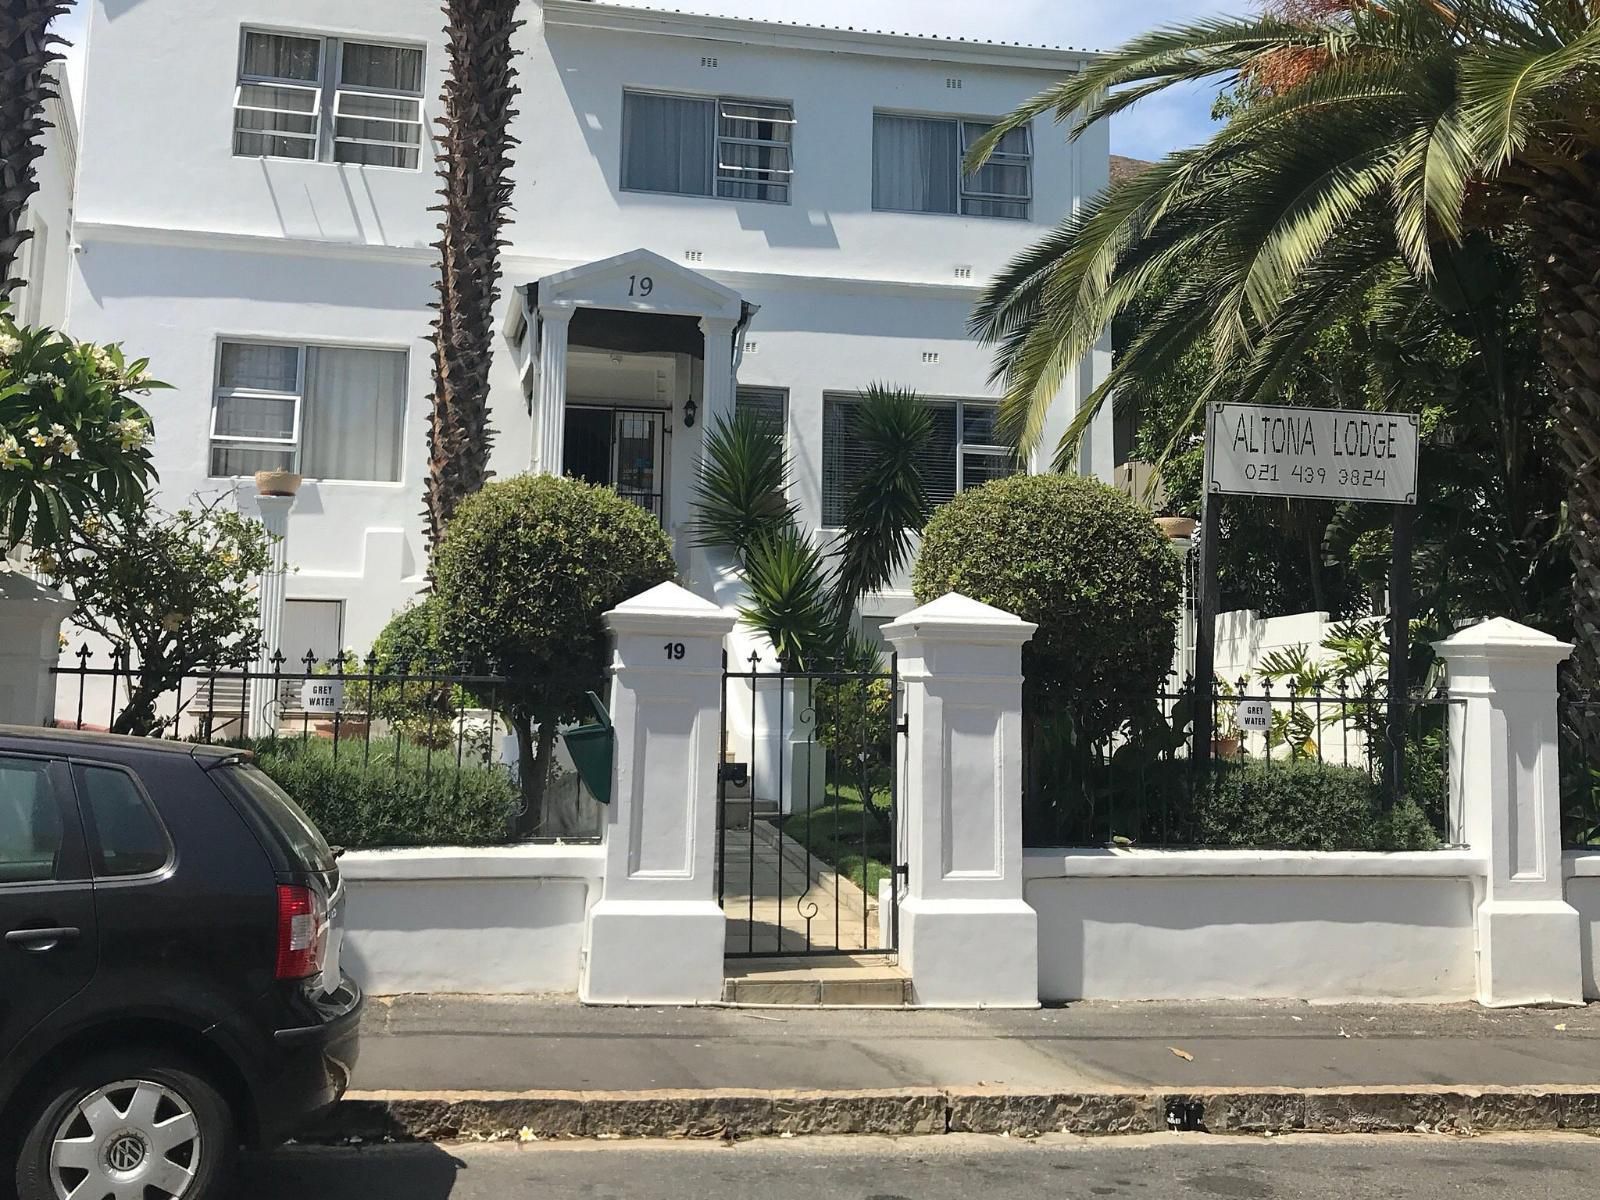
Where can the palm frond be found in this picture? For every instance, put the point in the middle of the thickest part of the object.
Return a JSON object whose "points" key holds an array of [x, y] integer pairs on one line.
{"points": [[741, 494]]}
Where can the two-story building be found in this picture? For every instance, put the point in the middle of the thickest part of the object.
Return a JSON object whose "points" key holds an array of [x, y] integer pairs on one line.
{"points": [[709, 213]]}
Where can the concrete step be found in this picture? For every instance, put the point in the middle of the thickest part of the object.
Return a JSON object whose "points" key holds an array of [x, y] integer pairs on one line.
{"points": [[834, 981]]}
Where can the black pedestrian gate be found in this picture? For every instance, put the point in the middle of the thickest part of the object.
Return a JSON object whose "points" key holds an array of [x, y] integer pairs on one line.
{"points": [[809, 846]]}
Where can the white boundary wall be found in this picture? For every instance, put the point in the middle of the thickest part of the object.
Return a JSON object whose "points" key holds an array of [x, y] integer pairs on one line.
{"points": [[1245, 925], [495, 921]]}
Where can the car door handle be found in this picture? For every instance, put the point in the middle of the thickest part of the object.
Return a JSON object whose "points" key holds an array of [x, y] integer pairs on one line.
{"points": [[40, 940]]}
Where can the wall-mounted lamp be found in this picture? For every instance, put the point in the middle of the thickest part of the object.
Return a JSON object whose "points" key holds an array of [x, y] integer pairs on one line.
{"points": [[690, 411]]}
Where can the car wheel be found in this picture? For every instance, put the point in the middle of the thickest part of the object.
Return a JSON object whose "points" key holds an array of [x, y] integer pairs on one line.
{"points": [[129, 1126]]}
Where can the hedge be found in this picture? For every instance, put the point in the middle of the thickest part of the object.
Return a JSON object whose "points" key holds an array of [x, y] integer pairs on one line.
{"points": [[1305, 805], [423, 800]]}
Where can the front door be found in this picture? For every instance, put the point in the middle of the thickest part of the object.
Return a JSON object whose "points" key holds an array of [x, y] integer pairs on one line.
{"points": [[48, 939], [622, 448]]}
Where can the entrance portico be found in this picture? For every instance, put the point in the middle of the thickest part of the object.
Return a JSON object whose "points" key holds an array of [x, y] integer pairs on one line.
{"points": [[618, 355]]}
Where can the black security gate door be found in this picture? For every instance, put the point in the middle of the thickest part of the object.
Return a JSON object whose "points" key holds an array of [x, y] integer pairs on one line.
{"points": [[808, 847]]}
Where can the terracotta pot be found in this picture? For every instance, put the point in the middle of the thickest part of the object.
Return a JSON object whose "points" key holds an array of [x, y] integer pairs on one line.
{"points": [[1177, 527], [1226, 747], [277, 483]]}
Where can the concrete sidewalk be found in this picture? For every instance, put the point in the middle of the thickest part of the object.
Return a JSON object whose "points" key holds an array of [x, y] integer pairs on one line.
{"points": [[483, 1045]]}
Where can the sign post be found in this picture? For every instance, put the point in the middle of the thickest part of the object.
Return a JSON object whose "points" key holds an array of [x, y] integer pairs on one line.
{"points": [[1312, 454]]}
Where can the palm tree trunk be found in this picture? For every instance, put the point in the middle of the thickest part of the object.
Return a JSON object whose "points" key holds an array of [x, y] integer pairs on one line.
{"points": [[475, 197], [1565, 221], [27, 49]]}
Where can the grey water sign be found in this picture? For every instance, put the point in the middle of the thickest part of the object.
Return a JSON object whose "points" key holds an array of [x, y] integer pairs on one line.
{"points": [[1312, 453]]}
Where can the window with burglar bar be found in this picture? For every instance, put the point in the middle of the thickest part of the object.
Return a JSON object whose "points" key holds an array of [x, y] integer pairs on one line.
{"points": [[326, 412], [328, 100], [918, 165], [735, 149], [966, 451]]}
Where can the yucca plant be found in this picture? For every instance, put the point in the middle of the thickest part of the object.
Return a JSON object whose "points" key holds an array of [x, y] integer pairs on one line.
{"points": [[474, 197], [798, 598], [1378, 135], [28, 50]]}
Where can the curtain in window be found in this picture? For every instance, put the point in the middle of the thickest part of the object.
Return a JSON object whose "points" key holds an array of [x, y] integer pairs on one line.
{"points": [[915, 164], [276, 56], [667, 144], [388, 68], [260, 368], [353, 423]]}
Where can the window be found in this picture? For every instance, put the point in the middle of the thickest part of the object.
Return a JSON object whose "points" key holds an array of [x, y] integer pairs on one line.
{"points": [[917, 166], [31, 834], [128, 837], [770, 406], [328, 99], [689, 146], [965, 451], [326, 412]]}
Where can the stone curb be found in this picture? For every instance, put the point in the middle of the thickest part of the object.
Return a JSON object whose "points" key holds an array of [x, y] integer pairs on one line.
{"points": [[411, 1117]]}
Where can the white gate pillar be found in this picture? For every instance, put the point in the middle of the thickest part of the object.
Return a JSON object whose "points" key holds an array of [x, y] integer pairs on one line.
{"points": [[657, 935], [1504, 764], [967, 936]]}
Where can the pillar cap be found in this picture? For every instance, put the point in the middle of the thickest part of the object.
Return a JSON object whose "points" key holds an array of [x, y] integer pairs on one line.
{"points": [[1502, 639], [669, 608], [957, 618]]}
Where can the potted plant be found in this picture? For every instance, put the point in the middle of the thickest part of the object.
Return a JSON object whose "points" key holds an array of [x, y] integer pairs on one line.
{"points": [[277, 482], [1227, 739], [1176, 526]]}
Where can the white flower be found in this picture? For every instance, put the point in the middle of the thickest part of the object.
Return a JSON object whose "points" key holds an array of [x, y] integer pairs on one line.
{"points": [[132, 433], [69, 446], [38, 377], [9, 345], [37, 438], [58, 431], [101, 360], [11, 453]]}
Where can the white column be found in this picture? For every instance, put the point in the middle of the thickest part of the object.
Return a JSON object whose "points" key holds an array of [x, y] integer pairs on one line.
{"points": [[719, 384], [1504, 752], [261, 717], [550, 416], [30, 646], [967, 936], [657, 936]]}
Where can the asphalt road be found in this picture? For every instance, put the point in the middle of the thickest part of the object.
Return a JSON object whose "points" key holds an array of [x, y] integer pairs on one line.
{"points": [[1545, 1167]]}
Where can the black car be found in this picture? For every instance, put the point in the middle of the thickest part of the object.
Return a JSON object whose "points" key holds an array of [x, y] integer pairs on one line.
{"points": [[169, 978]]}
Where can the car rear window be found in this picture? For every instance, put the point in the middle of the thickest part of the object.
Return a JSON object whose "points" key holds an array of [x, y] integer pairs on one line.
{"points": [[300, 834]]}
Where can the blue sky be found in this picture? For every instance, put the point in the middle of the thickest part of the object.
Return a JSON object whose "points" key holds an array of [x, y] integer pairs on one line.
{"points": [[1149, 131]]}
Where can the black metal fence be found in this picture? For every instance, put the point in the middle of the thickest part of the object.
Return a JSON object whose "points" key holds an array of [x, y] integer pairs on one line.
{"points": [[380, 755], [808, 809], [1580, 769], [1285, 770]]}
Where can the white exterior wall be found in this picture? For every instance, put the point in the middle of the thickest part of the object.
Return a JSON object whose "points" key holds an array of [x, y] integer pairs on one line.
{"points": [[1582, 872], [211, 246], [44, 262]]}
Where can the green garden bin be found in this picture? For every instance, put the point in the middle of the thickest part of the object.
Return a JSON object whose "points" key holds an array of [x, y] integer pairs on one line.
{"points": [[594, 751]]}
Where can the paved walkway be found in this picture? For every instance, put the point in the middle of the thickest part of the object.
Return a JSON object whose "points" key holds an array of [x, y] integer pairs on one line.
{"points": [[427, 1044], [779, 900]]}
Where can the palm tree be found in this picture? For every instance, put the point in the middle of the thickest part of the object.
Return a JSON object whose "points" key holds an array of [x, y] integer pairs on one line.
{"points": [[475, 197], [797, 599], [1380, 133], [27, 52]]}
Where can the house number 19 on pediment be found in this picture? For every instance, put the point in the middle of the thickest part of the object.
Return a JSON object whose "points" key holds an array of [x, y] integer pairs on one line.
{"points": [[641, 285]]}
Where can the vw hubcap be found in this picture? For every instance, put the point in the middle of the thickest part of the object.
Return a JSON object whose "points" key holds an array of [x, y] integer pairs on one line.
{"points": [[127, 1141]]}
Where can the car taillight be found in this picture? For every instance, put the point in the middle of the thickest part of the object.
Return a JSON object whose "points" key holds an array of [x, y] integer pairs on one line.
{"points": [[302, 932]]}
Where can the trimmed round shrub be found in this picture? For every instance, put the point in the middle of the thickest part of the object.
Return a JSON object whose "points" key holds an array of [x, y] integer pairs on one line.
{"points": [[1084, 563], [526, 571]]}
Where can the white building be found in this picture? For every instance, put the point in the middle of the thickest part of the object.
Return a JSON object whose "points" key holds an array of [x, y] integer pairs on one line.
{"points": [[42, 264], [698, 200]]}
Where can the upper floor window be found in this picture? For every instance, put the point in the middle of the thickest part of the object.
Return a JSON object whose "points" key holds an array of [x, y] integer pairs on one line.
{"points": [[966, 450], [328, 99], [691, 146], [325, 412], [917, 166]]}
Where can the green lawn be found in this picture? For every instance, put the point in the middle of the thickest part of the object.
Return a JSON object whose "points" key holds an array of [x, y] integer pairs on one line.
{"points": [[834, 833]]}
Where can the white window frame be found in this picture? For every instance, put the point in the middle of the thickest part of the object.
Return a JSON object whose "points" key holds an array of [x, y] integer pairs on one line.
{"points": [[959, 404], [295, 447], [329, 92], [717, 171], [964, 189]]}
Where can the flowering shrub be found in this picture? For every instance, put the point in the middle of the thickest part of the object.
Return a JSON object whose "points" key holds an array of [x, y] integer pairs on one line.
{"points": [[74, 435]]}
